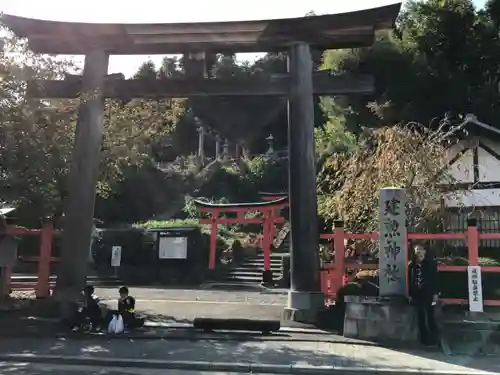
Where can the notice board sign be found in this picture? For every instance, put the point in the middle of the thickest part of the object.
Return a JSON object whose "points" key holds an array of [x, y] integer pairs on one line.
{"points": [[116, 256], [172, 248], [475, 289]]}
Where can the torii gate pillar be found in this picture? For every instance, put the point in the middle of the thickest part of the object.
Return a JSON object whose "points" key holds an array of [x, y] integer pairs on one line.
{"points": [[305, 298], [82, 181]]}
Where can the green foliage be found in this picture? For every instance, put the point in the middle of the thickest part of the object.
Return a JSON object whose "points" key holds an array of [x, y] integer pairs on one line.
{"points": [[190, 209], [37, 135], [225, 237], [268, 174], [159, 224], [442, 59], [334, 138], [349, 183], [349, 289]]}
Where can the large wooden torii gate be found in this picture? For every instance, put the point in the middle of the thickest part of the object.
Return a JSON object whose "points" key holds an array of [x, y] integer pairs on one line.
{"points": [[296, 35]]}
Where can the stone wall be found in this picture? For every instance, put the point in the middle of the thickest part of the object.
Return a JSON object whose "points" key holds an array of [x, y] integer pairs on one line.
{"points": [[470, 333], [388, 320], [379, 319]]}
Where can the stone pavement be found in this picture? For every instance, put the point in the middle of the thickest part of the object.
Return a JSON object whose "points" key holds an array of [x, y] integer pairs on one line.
{"points": [[268, 355]]}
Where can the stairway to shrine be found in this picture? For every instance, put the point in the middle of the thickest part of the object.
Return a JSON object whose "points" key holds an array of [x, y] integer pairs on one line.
{"points": [[250, 271], [94, 280]]}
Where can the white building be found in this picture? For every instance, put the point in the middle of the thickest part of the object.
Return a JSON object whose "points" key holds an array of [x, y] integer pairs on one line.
{"points": [[474, 163]]}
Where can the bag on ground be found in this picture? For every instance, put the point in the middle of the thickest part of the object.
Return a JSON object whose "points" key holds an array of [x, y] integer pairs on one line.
{"points": [[112, 324], [119, 326]]}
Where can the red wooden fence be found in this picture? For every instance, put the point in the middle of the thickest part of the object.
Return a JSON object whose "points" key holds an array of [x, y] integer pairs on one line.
{"points": [[333, 274], [43, 260]]}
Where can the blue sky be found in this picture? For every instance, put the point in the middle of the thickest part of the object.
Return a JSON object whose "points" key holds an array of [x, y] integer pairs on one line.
{"points": [[164, 11]]}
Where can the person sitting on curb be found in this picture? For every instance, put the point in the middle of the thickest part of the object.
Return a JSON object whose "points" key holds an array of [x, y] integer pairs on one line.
{"points": [[126, 308], [90, 311]]}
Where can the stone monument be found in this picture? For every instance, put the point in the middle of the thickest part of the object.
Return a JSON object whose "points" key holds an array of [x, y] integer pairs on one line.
{"points": [[392, 242], [387, 317]]}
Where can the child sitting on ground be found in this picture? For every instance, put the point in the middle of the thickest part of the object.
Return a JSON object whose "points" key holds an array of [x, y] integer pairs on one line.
{"points": [[89, 311], [126, 308]]}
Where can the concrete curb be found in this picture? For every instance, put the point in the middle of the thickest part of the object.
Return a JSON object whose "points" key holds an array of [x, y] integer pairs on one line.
{"points": [[189, 327], [219, 366], [176, 336]]}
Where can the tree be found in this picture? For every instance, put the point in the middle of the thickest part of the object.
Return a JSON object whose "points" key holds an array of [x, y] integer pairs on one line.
{"points": [[333, 137], [37, 135], [442, 59], [146, 71], [242, 119], [405, 156]]}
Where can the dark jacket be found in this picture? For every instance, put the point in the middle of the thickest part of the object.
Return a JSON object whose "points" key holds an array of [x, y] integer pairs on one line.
{"points": [[91, 305], [429, 277], [126, 305]]}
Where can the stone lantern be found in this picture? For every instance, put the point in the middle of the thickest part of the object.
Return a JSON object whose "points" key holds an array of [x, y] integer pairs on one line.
{"points": [[270, 142]]}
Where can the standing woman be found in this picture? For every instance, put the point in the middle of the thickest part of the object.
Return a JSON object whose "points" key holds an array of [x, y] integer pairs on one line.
{"points": [[423, 293]]}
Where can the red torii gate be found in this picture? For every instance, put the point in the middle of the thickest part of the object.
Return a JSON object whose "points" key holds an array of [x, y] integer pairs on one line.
{"points": [[269, 219]]}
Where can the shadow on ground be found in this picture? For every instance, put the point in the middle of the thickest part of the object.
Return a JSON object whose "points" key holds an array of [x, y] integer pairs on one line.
{"points": [[242, 350], [279, 349]]}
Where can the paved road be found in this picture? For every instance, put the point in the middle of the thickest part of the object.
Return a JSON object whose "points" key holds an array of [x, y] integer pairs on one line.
{"points": [[174, 305], [272, 353], [150, 293], [24, 368]]}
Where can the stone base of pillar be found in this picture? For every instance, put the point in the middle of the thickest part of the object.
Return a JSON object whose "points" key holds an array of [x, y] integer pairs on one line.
{"points": [[303, 307]]}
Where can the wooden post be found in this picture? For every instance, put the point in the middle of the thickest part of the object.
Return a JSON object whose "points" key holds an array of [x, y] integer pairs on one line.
{"points": [[42, 285], [305, 297], [213, 240], [82, 180], [339, 247], [472, 242], [267, 239], [7, 281]]}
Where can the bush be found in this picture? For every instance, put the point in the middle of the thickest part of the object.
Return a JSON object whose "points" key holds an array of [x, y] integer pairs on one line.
{"points": [[226, 239]]}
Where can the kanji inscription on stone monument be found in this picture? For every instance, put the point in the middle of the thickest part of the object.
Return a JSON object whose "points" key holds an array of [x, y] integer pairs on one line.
{"points": [[392, 242]]}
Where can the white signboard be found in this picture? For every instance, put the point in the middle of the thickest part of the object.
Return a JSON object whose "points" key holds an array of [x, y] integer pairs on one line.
{"points": [[475, 289], [116, 256], [172, 248]]}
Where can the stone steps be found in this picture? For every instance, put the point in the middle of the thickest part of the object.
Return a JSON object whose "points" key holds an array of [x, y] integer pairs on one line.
{"points": [[101, 281], [250, 271]]}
